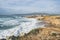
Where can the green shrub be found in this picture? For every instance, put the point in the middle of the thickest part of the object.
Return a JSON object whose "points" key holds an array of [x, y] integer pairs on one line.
{"points": [[54, 34]]}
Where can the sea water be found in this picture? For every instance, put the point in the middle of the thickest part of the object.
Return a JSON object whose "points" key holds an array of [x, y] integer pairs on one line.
{"points": [[17, 25]]}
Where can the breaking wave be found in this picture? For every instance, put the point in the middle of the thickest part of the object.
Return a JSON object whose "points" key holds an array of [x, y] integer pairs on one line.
{"points": [[17, 26]]}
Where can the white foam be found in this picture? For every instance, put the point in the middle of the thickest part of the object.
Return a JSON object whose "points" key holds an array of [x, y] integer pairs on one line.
{"points": [[11, 23], [20, 30]]}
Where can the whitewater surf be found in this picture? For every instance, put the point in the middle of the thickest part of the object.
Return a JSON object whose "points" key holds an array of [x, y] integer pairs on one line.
{"points": [[17, 26]]}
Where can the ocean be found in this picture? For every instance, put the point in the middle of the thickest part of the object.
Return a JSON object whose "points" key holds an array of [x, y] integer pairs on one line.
{"points": [[17, 25]]}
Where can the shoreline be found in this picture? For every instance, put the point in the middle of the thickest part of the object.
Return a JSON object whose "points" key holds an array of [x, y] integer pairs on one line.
{"points": [[52, 26]]}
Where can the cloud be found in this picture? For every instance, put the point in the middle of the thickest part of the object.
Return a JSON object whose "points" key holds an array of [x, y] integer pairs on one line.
{"points": [[29, 6]]}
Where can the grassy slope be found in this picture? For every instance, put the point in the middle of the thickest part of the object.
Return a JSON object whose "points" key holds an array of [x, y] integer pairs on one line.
{"points": [[50, 32]]}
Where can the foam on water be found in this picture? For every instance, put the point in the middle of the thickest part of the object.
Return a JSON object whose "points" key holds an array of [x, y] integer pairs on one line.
{"points": [[17, 27]]}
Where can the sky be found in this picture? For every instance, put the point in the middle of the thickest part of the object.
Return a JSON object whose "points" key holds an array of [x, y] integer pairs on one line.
{"points": [[29, 6]]}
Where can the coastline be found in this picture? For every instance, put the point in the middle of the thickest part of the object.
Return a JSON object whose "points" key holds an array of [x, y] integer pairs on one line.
{"points": [[42, 33], [50, 32]]}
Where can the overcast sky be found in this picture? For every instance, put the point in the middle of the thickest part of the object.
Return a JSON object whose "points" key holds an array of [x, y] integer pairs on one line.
{"points": [[29, 6]]}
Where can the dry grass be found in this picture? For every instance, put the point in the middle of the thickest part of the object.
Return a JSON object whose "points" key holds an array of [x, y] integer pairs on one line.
{"points": [[51, 32], [43, 34]]}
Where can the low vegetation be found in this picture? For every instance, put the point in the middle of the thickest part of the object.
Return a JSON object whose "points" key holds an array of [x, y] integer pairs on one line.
{"points": [[50, 32]]}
